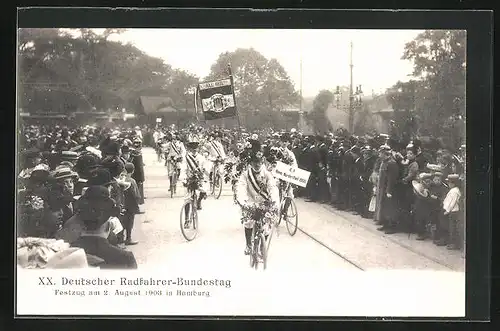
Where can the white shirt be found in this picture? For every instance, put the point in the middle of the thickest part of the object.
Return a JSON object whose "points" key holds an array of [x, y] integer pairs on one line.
{"points": [[156, 136], [200, 162], [451, 201], [216, 149], [176, 148], [246, 192]]}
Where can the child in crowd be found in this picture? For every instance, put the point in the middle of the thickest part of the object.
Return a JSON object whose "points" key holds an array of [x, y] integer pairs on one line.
{"points": [[451, 210], [422, 207], [132, 197]]}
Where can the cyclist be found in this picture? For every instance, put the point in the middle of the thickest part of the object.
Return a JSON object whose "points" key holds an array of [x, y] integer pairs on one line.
{"points": [[288, 157], [196, 163], [215, 152], [256, 185], [175, 153]]}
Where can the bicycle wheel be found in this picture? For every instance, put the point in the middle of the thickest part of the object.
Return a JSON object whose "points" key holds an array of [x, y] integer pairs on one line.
{"points": [[263, 249], [281, 212], [218, 186], [292, 218], [253, 251], [256, 250], [173, 184], [212, 184], [189, 225]]}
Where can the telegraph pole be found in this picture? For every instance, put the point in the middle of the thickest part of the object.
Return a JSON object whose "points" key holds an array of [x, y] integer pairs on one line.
{"points": [[351, 93]]}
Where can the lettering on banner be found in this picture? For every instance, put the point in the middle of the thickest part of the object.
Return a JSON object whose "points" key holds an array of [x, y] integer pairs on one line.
{"points": [[293, 175]]}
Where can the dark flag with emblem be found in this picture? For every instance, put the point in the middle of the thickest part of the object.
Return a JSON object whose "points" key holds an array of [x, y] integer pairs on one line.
{"points": [[217, 99]]}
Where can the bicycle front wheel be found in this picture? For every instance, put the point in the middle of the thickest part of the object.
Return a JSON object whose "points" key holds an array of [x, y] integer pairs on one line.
{"points": [[263, 250], [253, 251], [292, 218], [217, 186], [189, 221], [173, 184]]}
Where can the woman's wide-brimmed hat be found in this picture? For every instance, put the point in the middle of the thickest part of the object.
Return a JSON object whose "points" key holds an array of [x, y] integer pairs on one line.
{"points": [[434, 167], [419, 188], [40, 174], [63, 172], [454, 178]]}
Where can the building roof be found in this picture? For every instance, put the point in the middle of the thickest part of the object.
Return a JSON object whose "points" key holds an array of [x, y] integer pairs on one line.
{"points": [[153, 105]]}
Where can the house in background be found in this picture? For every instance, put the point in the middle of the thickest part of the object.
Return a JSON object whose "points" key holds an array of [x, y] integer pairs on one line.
{"points": [[153, 107], [381, 111]]}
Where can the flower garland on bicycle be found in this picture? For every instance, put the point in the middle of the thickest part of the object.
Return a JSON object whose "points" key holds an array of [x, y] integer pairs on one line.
{"points": [[256, 192], [237, 162], [196, 168], [175, 153]]}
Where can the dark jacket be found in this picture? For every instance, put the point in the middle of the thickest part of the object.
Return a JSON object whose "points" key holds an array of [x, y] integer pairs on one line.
{"points": [[137, 161], [114, 257]]}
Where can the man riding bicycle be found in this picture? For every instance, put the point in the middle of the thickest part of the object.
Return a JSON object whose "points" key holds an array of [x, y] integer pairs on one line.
{"points": [[175, 153], [195, 165], [288, 157], [216, 154], [255, 186]]}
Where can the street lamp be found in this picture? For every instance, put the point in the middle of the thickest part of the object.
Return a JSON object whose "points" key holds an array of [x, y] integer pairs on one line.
{"points": [[338, 98]]}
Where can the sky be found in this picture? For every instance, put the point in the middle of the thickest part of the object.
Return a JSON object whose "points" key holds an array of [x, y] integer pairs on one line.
{"points": [[324, 53]]}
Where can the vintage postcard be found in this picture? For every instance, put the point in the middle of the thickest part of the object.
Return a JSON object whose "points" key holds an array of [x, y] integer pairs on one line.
{"points": [[241, 172]]}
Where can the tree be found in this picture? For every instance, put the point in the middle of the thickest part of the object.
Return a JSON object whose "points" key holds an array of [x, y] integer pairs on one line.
{"points": [[260, 84], [179, 87], [317, 115], [439, 69], [64, 70]]}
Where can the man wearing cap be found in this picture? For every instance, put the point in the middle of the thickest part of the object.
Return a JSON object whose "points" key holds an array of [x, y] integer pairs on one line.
{"points": [[66, 178], [137, 160], [216, 152], [84, 166], [410, 173], [386, 208], [196, 163], [422, 211], [109, 176], [95, 213], [256, 185], [175, 154]]}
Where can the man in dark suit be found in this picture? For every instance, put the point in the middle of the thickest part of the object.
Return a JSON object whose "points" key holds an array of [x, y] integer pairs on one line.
{"points": [[138, 162], [97, 229]]}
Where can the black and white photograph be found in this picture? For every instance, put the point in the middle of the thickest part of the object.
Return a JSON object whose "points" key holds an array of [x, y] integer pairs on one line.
{"points": [[184, 169]]}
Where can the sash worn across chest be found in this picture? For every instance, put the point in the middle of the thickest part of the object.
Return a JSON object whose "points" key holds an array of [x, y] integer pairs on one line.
{"points": [[192, 163], [214, 145], [254, 183], [176, 148]]}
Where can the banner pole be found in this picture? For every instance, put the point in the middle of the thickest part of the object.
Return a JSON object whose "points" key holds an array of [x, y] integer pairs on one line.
{"points": [[234, 97], [196, 103]]}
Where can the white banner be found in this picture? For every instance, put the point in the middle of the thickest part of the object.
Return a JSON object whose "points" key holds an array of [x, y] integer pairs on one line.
{"points": [[219, 83], [291, 174], [158, 120]]}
